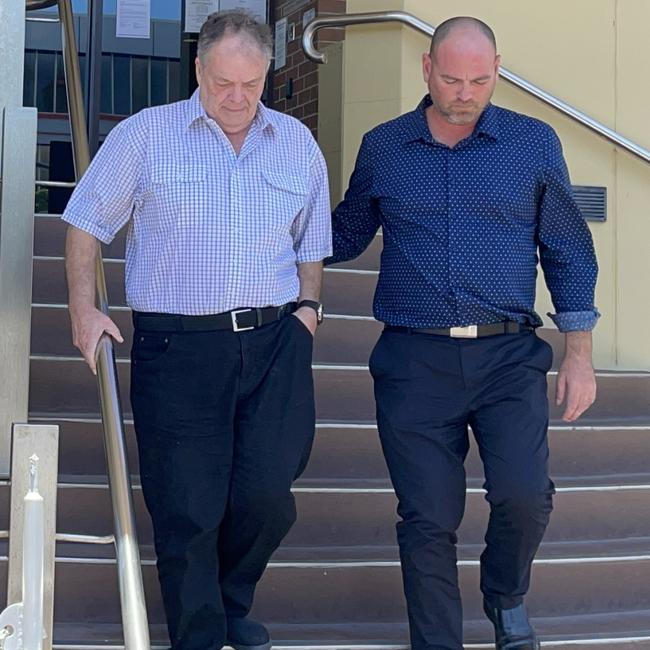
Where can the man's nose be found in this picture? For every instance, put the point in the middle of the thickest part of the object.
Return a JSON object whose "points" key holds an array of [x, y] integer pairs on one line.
{"points": [[465, 92], [237, 94]]}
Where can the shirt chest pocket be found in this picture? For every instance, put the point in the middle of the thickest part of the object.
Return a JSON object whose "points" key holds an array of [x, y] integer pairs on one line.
{"points": [[284, 196], [181, 195]]}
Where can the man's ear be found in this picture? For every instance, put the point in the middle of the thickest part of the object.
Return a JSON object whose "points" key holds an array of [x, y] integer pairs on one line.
{"points": [[427, 64]]}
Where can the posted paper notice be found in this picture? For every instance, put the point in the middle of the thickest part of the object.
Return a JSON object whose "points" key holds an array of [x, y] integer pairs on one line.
{"points": [[133, 19]]}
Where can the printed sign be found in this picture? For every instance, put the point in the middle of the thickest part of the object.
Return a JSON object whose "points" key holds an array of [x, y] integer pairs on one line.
{"points": [[280, 44], [256, 7], [133, 19], [196, 11]]}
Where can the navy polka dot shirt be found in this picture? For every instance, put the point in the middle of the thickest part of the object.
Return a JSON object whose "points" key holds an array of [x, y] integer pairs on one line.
{"points": [[464, 227]]}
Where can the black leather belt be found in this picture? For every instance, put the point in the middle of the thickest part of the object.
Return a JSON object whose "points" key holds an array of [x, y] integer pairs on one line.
{"points": [[467, 332], [237, 320]]}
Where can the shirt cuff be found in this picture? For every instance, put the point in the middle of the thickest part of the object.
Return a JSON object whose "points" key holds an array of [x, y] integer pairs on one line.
{"points": [[572, 321], [312, 256], [94, 229]]}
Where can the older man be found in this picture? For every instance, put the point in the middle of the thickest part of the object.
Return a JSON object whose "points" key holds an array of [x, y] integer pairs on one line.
{"points": [[468, 195], [228, 212]]}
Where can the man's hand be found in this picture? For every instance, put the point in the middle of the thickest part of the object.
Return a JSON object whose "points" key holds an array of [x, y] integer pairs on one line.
{"points": [[308, 317], [88, 326], [576, 380]]}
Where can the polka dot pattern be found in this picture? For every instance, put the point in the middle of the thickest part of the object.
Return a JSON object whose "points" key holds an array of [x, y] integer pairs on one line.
{"points": [[465, 227]]}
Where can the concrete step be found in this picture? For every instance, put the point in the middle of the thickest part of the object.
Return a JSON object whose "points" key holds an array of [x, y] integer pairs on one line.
{"points": [[346, 453], [361, 593], [349, 519], [359, 522], [64, 385], [604, 521], [623, 631]]}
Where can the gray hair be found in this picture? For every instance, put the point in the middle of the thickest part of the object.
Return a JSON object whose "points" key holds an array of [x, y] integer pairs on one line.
{"points": [[445, 28], [234, 22]]}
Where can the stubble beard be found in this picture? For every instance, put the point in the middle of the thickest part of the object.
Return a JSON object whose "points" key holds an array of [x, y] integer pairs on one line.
{"points": [[461, 117]]}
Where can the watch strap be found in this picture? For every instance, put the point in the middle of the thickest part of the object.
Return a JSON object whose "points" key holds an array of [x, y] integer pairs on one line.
{"points": [[315, 305]]}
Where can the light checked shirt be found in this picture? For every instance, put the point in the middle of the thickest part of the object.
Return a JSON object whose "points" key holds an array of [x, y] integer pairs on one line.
{"points": [[209, 231], [464, 227]]}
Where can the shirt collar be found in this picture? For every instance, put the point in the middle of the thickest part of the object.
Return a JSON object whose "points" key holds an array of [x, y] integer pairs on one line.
{"points": [[488, 123], [195, 111]]}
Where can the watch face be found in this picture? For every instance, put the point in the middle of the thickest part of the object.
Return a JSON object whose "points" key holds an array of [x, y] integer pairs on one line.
{"points": [[319, 314]]}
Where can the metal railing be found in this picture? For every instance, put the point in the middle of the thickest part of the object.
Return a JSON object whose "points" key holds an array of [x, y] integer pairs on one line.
{"points": [[134, 613], [32, 5], [427, 29]]}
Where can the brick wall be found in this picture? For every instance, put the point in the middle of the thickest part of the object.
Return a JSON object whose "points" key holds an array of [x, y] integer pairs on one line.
{"points": [[295, 88]]}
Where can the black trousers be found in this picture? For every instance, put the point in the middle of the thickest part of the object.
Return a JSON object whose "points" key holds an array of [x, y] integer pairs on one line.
{"points": [[224, 423], [428, 390]]}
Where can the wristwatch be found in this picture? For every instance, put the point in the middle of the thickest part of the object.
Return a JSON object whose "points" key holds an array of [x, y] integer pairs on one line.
{"points": [[316, 306]]}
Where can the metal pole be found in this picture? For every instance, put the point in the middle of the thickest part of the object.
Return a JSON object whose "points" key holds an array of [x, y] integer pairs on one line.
{"points": [[134, 613], [95, 16], [42, 440], [423, 27], [17, 157]]}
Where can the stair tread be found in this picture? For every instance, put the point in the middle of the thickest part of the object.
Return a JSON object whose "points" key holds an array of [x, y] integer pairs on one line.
{"points": [[619, 625], [627, 549]]}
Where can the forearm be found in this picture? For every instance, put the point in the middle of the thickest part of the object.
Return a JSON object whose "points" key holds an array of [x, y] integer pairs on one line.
{"points": [[579, 345], [576, 380], [80, 260], [310, 275]]}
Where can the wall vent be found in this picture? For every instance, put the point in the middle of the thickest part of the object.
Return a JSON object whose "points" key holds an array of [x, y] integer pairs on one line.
{"points": [[592, 201]]}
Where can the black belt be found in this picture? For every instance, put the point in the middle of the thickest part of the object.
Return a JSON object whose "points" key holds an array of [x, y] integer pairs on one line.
{"points": [[237, 320], [467, 332]]}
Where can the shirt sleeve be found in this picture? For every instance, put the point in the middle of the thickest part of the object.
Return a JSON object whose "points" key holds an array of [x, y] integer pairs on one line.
{"points": [[566, 248], [312, 229], [356, 219], [104, 198]]}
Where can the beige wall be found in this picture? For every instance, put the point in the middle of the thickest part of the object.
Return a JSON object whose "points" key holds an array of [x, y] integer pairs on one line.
{"points": [[593, 54]]}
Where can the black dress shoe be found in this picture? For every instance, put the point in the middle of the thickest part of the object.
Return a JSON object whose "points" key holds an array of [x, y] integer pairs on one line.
{"points": [[247, 634], [512, 628]]}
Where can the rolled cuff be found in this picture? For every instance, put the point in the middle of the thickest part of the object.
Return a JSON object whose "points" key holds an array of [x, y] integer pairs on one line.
{"points": [[307, 256], [96, 230], [573, 321]]}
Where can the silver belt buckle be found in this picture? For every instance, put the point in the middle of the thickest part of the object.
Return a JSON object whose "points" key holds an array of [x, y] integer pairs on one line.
{"points": [[235, 325], [467, 332]]}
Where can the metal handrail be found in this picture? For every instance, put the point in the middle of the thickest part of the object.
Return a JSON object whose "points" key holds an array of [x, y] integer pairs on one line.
{"points": [[66, 184], [511, 77], [134, 613], [33, 5]]}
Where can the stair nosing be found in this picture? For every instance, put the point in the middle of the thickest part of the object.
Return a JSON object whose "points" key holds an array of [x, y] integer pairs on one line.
{"points": [[380, 564], [360, 646], [103, 485], [371, 426]]}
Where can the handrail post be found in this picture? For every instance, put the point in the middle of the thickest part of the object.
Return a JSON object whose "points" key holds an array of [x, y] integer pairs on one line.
{"points": [[18, 157], [134, 613], [42, 440]]}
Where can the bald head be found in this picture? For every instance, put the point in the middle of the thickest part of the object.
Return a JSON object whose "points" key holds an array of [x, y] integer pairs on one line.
{"points": [[461, 71], [462, 26]]}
